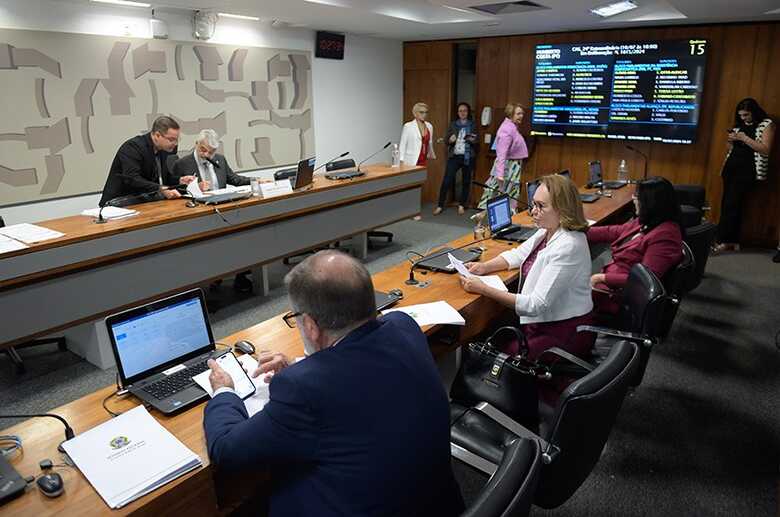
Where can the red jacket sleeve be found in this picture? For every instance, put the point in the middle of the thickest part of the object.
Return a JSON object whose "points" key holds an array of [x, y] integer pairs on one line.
{"points": [[608, 233]]}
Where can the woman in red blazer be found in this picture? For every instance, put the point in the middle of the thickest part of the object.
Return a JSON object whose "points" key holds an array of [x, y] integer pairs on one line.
{"points": [[653, 238]]}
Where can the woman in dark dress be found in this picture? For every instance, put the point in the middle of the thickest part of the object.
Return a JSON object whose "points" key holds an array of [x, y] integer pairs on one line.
{"points": [[747, 161]]}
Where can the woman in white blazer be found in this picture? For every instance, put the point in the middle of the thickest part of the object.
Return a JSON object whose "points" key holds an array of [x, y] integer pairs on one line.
{"points": [[555, 292], [417, 138]]}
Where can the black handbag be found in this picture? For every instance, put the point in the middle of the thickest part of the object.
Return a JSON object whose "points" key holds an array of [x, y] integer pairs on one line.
{"points": [[506, 382]]}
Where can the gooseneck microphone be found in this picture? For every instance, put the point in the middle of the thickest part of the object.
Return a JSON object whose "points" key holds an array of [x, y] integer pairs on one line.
{"points": [[643, 155], [342, 155], [379, 151], [68, 429], [413, 281], [520, 201]]}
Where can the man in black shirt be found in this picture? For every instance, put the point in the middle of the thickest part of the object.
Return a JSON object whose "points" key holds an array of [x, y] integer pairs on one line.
{"points": [[140, 165]]}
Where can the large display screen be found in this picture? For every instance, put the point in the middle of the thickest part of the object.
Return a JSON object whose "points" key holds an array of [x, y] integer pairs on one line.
{"points": [[622, 91]]}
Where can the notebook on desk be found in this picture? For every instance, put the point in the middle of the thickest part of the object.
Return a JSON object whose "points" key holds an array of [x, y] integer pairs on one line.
{"points": [[160, 346]]}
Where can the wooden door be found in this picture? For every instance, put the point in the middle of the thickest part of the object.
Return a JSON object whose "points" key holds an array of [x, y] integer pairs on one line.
{"points": [[428, 70]]}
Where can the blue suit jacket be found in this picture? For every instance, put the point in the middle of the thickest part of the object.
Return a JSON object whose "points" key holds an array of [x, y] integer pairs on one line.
{"points": [[361, 428]]}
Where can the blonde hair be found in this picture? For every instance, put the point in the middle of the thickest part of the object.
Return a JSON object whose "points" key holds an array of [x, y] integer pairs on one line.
{"points": [[417, 107], [509, 111], [565, 199]]}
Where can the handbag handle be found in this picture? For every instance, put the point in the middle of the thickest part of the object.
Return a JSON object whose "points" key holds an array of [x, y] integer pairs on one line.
{"points": [[518, 334]]}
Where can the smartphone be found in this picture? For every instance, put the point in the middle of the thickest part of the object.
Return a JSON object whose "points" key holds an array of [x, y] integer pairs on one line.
{"points": [[243, 385]]}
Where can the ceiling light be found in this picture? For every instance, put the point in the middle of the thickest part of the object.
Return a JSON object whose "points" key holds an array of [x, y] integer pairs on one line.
{"points": [[332, 3], [605, 11], [459, 9], [126, 3], [238, 16]]}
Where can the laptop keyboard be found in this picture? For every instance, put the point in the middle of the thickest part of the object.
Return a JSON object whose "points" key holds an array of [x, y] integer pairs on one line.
{"points": [[175, 383]]}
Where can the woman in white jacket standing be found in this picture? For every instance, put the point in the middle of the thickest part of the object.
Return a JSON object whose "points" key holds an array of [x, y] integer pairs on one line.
{"points": [[417, 138], [555, 293]]}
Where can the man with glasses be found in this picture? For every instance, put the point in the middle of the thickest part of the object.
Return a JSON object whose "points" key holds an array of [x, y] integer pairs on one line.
{"points": [[207, 165], [359, 427], [141, 164]]}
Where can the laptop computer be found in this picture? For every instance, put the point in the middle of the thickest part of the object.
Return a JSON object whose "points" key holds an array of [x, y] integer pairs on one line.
{"points": [[500, 219], [441, 262], [160, 346], [386, 300], [305, 174]]}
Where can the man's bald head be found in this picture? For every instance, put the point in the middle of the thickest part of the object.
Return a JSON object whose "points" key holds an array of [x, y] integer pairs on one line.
{"points": [[334, 289]]}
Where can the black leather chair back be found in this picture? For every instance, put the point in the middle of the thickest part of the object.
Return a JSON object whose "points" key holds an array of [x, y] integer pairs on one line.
{"points": [[643, 302], [692, 195], [510, 491], [676, 283], [700, 239], [2, 223], [583, 419]]}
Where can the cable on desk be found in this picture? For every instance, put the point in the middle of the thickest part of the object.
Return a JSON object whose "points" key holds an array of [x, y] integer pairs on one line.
{"points": [[9, 443], [112, 413], [216, 210], [413, 253]]}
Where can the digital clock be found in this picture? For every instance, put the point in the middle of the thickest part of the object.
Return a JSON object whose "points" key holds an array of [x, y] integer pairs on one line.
{"points": [[330, 45]]}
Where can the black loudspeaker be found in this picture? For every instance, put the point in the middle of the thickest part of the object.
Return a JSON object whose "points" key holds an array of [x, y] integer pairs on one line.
{"points": [[340, 164]]}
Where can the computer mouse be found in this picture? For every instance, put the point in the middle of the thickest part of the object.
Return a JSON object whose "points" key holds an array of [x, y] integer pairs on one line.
{"points": [[51, 484], [191, 204], [245, 346]]}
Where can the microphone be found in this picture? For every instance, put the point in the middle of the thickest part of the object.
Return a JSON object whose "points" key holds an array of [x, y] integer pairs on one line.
{"points": [[379, 151], [643, 155], [413, 281], [68, 429], [521, 201], [342, 155], [212, 162], [100, 219]]}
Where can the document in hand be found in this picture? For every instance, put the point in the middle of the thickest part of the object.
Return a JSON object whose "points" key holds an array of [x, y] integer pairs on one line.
{"points": [[436, 313], [254, 403], [129, 456], [493, 281]]}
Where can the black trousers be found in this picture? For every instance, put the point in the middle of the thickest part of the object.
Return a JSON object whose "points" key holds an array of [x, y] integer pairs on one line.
{"points": [[735, 188], [453, 164]]}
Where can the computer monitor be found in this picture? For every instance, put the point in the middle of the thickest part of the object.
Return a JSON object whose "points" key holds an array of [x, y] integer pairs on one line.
{"points": [[161, 334], [530, 188], [499, 213], [305, 174], [594, 173]]}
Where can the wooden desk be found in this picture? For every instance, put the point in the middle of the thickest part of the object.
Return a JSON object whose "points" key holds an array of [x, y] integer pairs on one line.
{"points": [[169, 247], [195, 492]]}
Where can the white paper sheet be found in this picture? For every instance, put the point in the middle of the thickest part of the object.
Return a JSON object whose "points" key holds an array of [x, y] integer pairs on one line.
{"points": [[29, 233], [254, 403], [194, 190], [129, 456], [493, 281], [436, 313], [7, 244]]}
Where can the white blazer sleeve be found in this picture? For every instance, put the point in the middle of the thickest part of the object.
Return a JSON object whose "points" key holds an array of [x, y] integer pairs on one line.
{"points": [[559, 273], [403, 143]]}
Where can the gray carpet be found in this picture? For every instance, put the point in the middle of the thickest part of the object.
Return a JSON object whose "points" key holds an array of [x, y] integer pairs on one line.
{"points": [[698, 437]]}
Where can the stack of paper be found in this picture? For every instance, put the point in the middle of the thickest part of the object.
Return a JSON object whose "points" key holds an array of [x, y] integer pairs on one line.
{"points": [[110, 212], [436, 313], [129, 456], [493, 281], [29, 233], [254, 403], [7, 244]]}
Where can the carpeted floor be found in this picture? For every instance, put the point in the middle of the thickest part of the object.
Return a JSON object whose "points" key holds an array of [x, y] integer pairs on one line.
{"points": [[699, 437]]}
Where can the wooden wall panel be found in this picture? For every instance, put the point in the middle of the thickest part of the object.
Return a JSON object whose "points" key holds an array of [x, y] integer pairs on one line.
{"points": [[744, 61]]}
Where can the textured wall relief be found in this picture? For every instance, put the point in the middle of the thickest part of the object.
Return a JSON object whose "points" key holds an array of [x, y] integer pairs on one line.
{"points": [[70, 100]]}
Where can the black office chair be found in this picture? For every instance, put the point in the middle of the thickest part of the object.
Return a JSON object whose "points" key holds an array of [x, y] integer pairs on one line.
{"points": [[510, 490], [13, 352], [692, 204], [700, 239], [643, 319], [376, 234], [572, 437], [676, 283]]}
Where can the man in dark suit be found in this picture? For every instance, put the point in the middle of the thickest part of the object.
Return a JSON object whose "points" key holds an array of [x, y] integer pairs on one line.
{"points": [[359, 427], [209, 167], [140, 165]]}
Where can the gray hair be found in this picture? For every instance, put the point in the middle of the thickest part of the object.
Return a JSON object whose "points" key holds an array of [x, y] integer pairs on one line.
{"points": [[334, 289], [208, 137]]}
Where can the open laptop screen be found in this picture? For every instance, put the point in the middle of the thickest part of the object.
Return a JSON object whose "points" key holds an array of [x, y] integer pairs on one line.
{"points": [[158, 335], [594, 172], [499, 213]]}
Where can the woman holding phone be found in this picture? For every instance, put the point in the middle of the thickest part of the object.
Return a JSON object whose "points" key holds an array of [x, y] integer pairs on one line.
{"points": [[747, 161], [461, 140]]}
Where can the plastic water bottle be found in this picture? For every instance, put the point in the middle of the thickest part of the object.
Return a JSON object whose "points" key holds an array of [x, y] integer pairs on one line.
{"points": [[623, 172], [396, 156]]}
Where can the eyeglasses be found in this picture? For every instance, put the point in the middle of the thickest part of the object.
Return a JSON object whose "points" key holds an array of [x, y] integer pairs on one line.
{"points": [[289, 318], [171, 139], [538, 206], [423, 112]]}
